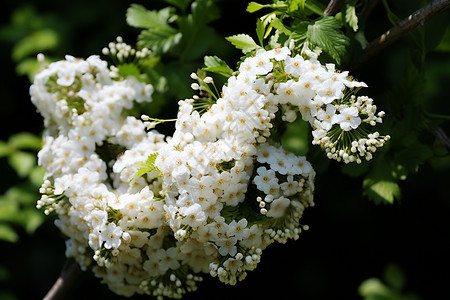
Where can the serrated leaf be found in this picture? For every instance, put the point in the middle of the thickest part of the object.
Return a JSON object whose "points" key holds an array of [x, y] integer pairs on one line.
{"points": [[8, 234], [216, 65], [22, 162], [158, 35], [381, 191], [159, 40], [243, 42], [351, 18], [326, 34], [140, 17], [260, 30], [147, 166]]}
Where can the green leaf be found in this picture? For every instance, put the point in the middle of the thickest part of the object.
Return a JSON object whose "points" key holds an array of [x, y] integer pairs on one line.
{"points": [[216, 65], [260, 30], [126, 70], [373, 288], [277, 24], [34, 43], [159, 40], [31, 219], [22, 162], [394, 276], [350, 17], [326, 34], [181, 4], [253, 6], [158, 35], [8, 234], [381, 191], [25, 140], [380, 185], [140, 17], [315, 7], [148, 166], [243, 42], [5, 149]]}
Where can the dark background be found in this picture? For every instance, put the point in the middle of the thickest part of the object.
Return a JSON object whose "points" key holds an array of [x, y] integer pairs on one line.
{"points": [[350, 238]]}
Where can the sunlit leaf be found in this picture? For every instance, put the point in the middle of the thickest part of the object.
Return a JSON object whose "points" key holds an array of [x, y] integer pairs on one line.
{"points": [[243, 42]]}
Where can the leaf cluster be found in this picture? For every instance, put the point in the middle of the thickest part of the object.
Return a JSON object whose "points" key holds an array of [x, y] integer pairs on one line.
{"points": [[17, 204]]}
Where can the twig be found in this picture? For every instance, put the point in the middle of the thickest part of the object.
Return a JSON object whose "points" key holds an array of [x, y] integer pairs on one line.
{"points": [[440, 134], [67, 278], [334, 6], [367, 10], [412, 21]]}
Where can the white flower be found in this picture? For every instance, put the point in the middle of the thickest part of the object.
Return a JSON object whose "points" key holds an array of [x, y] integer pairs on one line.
{"points": [[227, 246], [278, 207], [265, 179], [289, 187], [348, 118], [193, 215], [111, 236], [238, 229], [327, 116]]}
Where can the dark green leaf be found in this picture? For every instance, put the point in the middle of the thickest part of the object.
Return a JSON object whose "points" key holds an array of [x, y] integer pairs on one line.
{"points": [[159, 40], [216, 65], [326, 34], [260, 30]]}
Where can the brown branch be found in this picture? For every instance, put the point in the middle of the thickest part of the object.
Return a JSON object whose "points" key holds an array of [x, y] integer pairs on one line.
{"points": [[334, 6], [412, 21], [68, 276]]}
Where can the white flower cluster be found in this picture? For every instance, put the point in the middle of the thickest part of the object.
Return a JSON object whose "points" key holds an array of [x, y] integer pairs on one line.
{"points": [[147, 212]]}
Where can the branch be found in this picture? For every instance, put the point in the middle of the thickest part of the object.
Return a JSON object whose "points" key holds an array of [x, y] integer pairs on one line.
{"points": [[334, 6], [68, 276], [412, 21], [440, 134]]}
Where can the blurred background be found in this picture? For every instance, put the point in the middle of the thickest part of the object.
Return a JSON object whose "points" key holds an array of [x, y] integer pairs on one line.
{"points": [[356, 248]]}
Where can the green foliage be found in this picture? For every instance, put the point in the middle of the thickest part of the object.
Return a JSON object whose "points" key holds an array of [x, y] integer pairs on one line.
{"points": [[390, 288], [148, 166], [325, 33], [216, 65], [243, 42], [179, 40], [158, 35], [17, 204], [30, 33]]}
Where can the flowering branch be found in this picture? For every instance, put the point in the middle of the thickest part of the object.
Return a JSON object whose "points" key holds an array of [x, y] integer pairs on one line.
{"points": [[412, 21], [334, 6], [68, 276]]}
